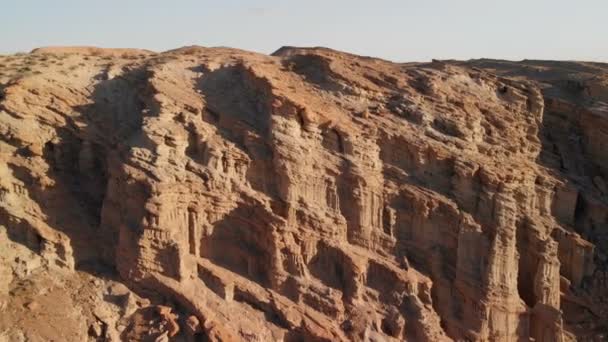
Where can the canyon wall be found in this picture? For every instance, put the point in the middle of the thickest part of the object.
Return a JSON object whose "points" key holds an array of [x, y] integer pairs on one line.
{"points": [[314, 195]]}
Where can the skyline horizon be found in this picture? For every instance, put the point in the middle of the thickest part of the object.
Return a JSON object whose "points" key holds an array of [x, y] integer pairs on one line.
{"points": [[400, 31], [303, 47]]}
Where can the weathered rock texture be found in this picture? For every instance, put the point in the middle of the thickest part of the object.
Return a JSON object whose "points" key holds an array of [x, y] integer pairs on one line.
{"points": [[314, 195]]}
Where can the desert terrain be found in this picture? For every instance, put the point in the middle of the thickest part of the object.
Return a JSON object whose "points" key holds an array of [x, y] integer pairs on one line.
{"points": [[216, 194]]}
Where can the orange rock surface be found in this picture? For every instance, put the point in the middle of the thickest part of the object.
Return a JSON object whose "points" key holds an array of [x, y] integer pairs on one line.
{"points": [[313, 195]]}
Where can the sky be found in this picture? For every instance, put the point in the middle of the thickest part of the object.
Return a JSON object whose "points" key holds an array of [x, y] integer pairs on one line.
{"points": [[398, 30]]}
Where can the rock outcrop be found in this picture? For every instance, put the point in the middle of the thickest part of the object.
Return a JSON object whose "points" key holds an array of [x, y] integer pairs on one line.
{"points": [[314, 195]]}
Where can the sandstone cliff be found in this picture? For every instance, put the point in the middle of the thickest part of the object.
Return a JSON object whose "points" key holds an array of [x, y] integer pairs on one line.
{"points": [[310, 195]]}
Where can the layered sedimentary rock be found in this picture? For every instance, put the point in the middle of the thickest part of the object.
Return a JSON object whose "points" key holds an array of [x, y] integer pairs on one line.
{"points": [[315, 195]]}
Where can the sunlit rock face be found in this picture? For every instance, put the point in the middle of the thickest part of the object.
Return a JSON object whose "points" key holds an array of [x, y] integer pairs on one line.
{"points": [[314, 195]]}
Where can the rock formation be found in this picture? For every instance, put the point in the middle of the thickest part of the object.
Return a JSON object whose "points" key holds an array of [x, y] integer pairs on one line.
{"points": [[311, 195]]}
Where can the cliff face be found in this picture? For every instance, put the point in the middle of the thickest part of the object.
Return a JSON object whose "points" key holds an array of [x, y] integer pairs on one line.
{"points": [[316, 195]]}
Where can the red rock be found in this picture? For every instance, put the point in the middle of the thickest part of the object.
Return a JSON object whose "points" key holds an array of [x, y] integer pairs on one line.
{"points": [[318, 195]]}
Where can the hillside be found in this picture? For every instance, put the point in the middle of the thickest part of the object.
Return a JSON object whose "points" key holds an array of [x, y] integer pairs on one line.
{"points": [[312, 195]]}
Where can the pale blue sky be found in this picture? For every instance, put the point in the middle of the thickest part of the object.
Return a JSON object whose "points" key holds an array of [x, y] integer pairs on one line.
{"points": [[402, 30]]}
